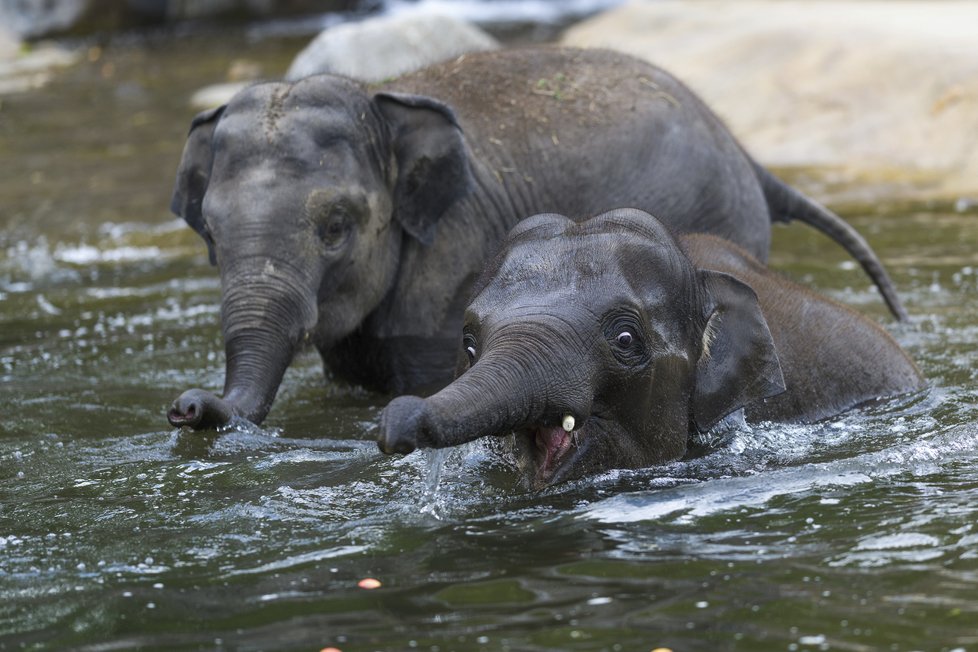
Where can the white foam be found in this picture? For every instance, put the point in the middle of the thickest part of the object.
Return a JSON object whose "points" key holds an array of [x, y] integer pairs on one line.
{"points": [[299, 560], [87, 254], [690, 502], [685, 503], [898, 541]]}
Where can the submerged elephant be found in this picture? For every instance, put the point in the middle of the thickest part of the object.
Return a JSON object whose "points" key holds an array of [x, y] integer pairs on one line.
{"points": [[608, 343], [356, 217]]}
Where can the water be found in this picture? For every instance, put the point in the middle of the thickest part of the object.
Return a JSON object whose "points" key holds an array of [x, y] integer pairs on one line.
{"points": [[118, 532]]}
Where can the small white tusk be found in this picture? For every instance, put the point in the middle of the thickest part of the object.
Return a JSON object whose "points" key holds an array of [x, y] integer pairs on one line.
{"points": [[568, 423]]}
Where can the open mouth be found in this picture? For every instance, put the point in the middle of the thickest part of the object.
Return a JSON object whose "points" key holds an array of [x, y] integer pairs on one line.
{"points": [[546, 450]]}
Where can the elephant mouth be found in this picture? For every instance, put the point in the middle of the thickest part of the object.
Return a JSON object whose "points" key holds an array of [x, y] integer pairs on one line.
{"points": [[547, 453]]}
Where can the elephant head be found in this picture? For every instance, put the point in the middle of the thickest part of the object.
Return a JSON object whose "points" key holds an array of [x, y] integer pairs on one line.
{"points": [[293, 188], [598, 345]]}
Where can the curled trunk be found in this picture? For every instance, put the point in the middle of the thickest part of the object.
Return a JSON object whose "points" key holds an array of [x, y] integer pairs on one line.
{"points": [[265, 318], [496, 396]]}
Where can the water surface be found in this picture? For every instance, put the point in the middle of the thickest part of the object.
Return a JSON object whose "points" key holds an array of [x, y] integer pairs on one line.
{"points": [[117, 531]]}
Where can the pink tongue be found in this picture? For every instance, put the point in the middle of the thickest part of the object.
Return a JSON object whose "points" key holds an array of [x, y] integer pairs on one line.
{"points": [[552, 441]]}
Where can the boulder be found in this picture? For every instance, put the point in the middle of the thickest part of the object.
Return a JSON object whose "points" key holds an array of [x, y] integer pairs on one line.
{"points": [[387, 46], [882, 93], [241, 74], [372, 49], [214, 95]]}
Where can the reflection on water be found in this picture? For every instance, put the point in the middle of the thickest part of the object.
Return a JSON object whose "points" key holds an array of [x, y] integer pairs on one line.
{"points": [[117, 531]]}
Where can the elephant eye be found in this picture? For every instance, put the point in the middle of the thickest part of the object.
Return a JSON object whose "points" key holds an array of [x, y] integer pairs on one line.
{"points": [[626, 337], [468, 342], [335, 229]]}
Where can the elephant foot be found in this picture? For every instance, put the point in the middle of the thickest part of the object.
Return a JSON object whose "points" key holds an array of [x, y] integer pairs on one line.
{"points": [[199, 410]]}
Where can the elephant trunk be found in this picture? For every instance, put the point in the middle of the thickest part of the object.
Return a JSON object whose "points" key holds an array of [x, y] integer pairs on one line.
{"points": [[503, 392], [265, 317]]}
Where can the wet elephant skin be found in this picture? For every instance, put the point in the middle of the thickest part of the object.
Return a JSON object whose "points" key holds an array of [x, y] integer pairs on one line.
{"points": [[607, 343], [355, 218]]}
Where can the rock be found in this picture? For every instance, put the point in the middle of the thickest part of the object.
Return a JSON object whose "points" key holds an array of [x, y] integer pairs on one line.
{"points": [[372, 49], [882, 93], [241, 74], [387, 46], [214, 95]]}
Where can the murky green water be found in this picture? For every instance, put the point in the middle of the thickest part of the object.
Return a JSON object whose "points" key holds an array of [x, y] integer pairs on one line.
{"points": [[118, 532]]}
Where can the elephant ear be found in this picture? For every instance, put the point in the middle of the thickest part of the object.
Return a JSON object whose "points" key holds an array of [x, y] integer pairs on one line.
{"points": [[739, 364], [194, 174], [432, 165]]}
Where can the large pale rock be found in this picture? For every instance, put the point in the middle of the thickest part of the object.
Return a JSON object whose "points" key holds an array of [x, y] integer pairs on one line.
{"points": [[875, 91], [387, 46], [215, 95], [371, 50]]}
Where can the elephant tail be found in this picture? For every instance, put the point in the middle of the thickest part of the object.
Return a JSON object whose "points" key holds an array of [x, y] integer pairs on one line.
{"points": [[788, 204]]}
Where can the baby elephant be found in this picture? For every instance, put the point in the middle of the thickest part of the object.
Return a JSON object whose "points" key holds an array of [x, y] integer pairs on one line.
{"points": [[604, 344]]}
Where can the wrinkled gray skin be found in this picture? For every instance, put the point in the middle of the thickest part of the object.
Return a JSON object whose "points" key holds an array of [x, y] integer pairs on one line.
{"points": [[356, 218], [644, 341]]}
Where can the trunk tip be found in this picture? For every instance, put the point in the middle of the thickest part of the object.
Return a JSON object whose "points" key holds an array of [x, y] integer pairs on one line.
{"points": [[198, 409], [401, 425]]}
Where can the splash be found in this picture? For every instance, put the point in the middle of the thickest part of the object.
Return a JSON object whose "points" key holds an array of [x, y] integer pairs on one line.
{"points": [[26, 265], [688, 502], [434, 502], [89, 255]]}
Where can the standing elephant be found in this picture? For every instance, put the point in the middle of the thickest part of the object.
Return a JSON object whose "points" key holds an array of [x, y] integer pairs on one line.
{"points": [[356, 217], [607, 343]]}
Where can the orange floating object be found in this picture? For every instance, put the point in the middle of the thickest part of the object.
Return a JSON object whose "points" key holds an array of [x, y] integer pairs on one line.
{"points": [[369, 583], [331, 649]]}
